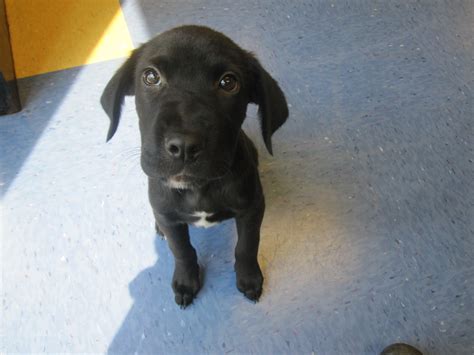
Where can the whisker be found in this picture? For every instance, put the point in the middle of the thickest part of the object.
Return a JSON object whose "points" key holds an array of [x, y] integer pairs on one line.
{"points": [[127, 152]]}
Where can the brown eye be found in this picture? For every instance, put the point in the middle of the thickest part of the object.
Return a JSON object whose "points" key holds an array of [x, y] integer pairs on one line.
{"points": [[229, 83], [151, 77]]}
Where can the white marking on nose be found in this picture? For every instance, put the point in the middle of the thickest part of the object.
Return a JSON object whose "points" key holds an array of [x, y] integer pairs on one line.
{"points": [[202, 221]]}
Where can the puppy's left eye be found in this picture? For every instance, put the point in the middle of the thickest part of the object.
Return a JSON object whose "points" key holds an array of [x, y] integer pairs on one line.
{"points": [[228, 82], [151, 77]]}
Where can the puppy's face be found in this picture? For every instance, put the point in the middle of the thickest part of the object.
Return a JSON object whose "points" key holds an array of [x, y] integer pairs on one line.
{"points": [[192, 86], [191, 97]]}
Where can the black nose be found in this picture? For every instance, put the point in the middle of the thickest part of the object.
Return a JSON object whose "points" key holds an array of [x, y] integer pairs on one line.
{"points": [[184, 147]]}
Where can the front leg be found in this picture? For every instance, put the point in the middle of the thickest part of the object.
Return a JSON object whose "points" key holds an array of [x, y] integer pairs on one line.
{"points": [[249, 275], [185, 282]]}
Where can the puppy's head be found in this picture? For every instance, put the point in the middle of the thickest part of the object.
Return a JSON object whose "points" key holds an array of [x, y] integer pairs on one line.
{"points": [[192, 86]]}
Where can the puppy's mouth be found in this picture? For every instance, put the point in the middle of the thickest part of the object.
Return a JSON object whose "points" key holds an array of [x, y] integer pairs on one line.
{"points": [[182, 181], [185, 177]]}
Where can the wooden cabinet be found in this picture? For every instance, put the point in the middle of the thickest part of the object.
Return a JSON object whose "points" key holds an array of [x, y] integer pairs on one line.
{"points": [[9, 99]]}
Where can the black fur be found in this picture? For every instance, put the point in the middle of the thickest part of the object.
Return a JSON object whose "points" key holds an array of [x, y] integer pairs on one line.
{"points": [[223, 178]]}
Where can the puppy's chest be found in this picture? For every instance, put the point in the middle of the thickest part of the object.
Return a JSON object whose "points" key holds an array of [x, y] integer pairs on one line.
{"points": [[203, 219], [204, 212]]}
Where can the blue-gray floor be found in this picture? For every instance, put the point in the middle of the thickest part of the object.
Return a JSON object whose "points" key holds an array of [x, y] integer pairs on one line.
{"points": [[368, 233]]}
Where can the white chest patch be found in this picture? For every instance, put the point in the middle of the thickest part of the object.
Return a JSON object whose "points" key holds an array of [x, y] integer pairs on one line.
{"points": [[202, 221]]}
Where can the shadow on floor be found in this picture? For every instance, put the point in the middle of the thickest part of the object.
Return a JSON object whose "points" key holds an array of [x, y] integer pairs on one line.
{"points": [[41, 95], [154, 323], [20, 132]]}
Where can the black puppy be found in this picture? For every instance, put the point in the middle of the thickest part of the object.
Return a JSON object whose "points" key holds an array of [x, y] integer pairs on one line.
{"points": [[192, 86]]}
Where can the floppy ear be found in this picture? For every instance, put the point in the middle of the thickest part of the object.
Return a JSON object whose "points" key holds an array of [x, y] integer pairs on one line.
{"points": [[121, 84], [272, 107]]}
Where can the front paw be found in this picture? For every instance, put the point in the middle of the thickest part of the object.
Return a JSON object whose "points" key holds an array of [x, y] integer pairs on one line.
{"points": [[185, 284], [249, 279]]}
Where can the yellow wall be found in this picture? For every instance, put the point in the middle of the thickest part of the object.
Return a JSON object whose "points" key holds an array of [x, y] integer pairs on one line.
{"points": [[49, 35]]}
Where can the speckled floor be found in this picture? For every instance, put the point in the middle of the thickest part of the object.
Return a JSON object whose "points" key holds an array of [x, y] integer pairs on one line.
{"points": [[368, 233]]}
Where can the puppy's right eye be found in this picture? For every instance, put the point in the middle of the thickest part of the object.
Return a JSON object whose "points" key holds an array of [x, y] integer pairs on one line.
{"points": [[229, 83], [151, 77]]}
